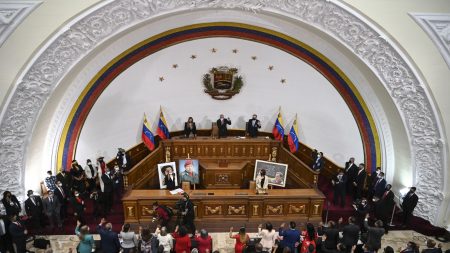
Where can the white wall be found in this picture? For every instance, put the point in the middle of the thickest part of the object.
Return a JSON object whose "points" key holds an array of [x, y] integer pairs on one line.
{"points": [[325, 122]]}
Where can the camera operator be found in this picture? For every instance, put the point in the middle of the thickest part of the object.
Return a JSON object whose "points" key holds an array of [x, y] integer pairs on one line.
{"points": [[187, 212]]}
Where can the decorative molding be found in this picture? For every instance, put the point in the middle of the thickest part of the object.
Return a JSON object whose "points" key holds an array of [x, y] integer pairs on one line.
{"points": [[437, 27], [12, 13], [372, 46]]}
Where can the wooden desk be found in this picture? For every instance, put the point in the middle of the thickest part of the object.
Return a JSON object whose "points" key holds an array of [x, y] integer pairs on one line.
{"points": [[231, 205], [216, 177]]}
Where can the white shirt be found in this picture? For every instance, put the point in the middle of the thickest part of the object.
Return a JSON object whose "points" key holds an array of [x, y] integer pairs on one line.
{"points": [[268, 238], [166, 241]]}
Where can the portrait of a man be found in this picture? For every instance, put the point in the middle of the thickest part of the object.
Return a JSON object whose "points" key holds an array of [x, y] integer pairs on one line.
{"points": [[189, 171]]}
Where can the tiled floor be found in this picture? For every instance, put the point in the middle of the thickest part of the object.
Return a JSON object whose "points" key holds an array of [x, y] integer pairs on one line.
{"points": [[221, 241]]}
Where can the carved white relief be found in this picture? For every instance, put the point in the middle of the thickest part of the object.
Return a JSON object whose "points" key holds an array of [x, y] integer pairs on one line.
{"points": [[12, 13], [339, 21], [437, 27]]}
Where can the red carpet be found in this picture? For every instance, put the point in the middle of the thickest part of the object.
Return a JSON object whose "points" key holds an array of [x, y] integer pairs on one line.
{"points": [[116, 218]]}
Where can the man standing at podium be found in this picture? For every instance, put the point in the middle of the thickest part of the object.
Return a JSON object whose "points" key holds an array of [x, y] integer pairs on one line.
{"points": [[222, 125], [252, 126]]}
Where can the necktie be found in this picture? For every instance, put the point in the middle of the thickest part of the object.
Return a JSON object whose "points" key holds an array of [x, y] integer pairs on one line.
{"points": [[51, 200], [62, 192], [377, 182], [385, 194]]}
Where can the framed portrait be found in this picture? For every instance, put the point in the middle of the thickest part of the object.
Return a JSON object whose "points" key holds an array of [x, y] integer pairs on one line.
{"points": [[168, 175], [188, 171], [276, 172]]}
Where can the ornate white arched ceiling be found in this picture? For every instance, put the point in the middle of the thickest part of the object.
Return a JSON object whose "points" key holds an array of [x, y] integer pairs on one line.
{"points": [[353, 31]]}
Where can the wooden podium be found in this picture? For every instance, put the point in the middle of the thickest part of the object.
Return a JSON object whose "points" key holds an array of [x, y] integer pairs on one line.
{"points": [[217, 176]]}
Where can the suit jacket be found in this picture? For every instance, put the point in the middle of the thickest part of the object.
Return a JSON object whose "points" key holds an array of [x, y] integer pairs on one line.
{"points": [[62, 198], [340, 185], [108, 183], [253, 130], [13, 206], [108, 240], [34, 210], [318, 164], [223, 126], [290, 237], [66, 180], [350, 234], [360, 178], [409, 202], [188, 130], [332, 238], [351, 171], [51, 207], [170, 183], [385, 205], [379, 187], [374, 235], [17, 231]]}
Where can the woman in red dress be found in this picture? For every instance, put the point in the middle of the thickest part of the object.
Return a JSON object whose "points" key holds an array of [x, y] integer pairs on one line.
{"points": [[309, 238], [204, 242], [182, 240], [241, 239]]}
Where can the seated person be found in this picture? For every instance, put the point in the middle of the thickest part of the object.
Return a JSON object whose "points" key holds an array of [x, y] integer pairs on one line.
{"points": [[189, 127], [262, 182]]}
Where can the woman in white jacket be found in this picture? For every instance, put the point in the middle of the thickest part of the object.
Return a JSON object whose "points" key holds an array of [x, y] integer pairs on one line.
{"points": [[262, 182], [268, 236]]}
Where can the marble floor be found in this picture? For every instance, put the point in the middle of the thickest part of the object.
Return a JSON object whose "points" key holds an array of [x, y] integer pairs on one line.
{"points": [[221, 241]]}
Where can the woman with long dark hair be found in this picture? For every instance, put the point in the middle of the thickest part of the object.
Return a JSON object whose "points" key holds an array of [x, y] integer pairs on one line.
{"points": [[309, 238], [241, 239]]}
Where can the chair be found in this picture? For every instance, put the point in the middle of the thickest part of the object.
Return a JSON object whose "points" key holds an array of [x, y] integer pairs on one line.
{"points": [[214, 130]]}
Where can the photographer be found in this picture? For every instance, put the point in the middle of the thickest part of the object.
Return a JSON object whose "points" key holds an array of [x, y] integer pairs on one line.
{"points": [[161, 214], [187, 212]]}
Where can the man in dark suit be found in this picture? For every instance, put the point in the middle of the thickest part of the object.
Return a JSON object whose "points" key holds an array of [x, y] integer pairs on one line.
{"points": [[350, 233], [350, 170], [384, 207], [319, 163], [18, 234], [340, 183], [34, 210], [65, 178], [409, 203], [379, 185], [332, 235], [123, 160], [253, 125], [374, 234], [61, 193], [52, 208], [222, 125], [358, 182], [108, 190], [108, 239]]}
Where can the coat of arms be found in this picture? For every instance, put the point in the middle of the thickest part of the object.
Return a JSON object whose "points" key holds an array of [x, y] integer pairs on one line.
{"points": [[222, 82]]}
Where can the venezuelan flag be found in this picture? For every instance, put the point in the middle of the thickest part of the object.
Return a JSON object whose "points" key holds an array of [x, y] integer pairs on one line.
{"points": [[293, 137], [162, 130], [278, 130], [147, 135]]}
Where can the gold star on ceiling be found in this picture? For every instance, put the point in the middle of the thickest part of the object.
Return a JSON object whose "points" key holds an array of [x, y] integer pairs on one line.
{"points": [[235, 51], [283, 80], [161, 78], [193, 56], [254, 58], [271, 68], [213, 50], [175, 66]]}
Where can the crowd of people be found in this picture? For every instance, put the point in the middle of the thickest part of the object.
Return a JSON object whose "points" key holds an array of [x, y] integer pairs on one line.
{"points": [[72, 189]]}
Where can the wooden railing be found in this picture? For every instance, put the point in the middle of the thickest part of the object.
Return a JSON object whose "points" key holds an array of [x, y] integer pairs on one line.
{"points": [[297, 169], [145, 171], [136, 153], [304, 154]]}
